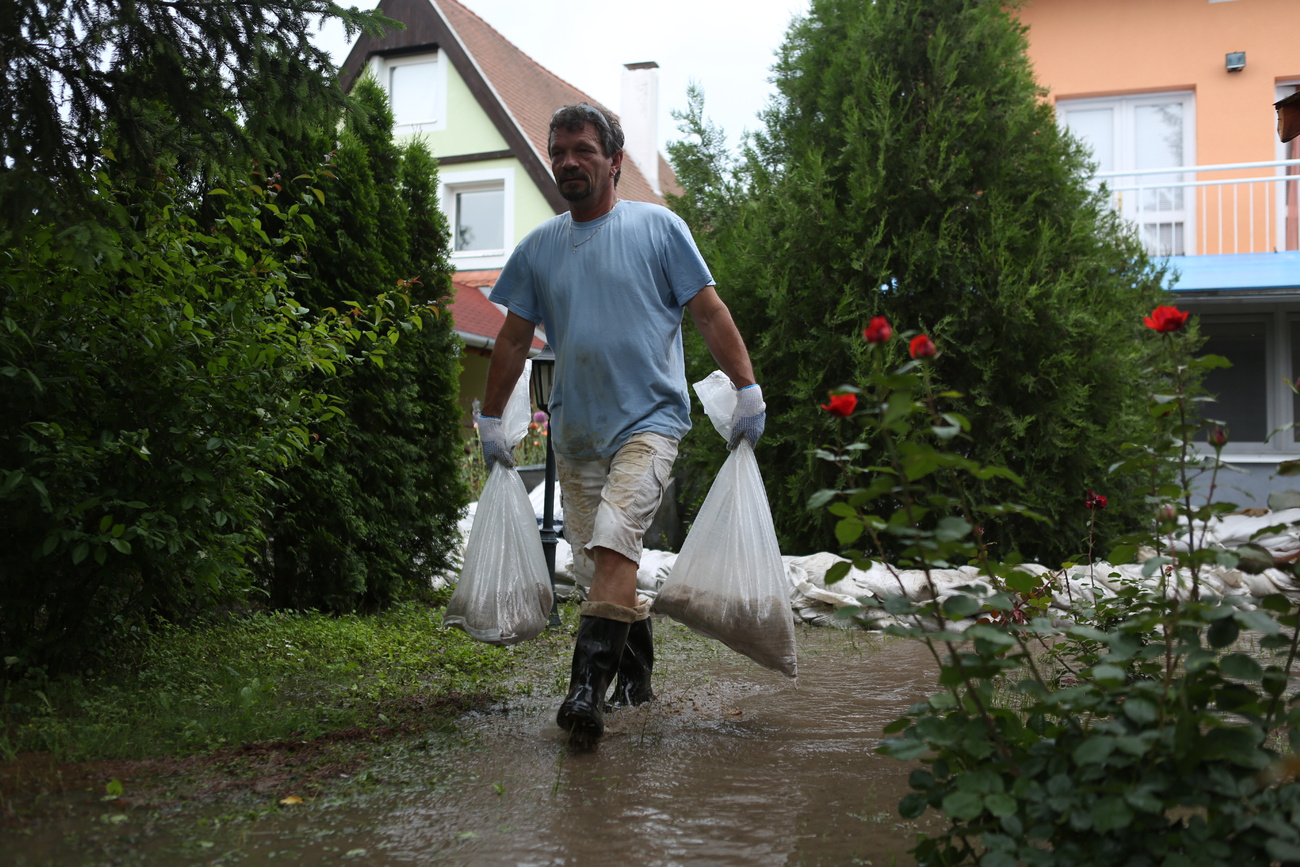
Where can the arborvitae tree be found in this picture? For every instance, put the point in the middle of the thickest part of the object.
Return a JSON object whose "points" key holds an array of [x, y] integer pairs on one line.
{"points": [[375, 516], [910, 168], [202, 81]]}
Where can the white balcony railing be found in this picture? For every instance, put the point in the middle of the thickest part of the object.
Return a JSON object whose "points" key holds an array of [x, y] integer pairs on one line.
{"points": [[1200, 210]]}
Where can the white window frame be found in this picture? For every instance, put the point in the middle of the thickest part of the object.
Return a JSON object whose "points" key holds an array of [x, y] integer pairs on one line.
{"points": [[1278, 397], [451, 183], [1283, 90], [1125, 151], [381, 68]]}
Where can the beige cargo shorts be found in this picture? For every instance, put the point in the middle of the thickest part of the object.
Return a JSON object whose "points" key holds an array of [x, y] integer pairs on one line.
{"points": [[610, 503]]}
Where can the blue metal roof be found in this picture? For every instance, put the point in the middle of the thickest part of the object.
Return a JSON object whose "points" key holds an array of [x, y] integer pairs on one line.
{"points": [[1236, 271]]}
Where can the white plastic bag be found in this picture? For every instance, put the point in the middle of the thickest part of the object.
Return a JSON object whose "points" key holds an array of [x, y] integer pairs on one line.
{"points": [[729, 581], [719, 397], [504, 592]]}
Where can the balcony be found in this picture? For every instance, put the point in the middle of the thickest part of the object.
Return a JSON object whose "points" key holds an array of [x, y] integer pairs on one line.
{"points": [[1223, 227]]}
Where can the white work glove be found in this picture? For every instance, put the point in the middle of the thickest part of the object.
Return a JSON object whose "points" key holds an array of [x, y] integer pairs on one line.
{"points": [[750, 417], [495, 448]]}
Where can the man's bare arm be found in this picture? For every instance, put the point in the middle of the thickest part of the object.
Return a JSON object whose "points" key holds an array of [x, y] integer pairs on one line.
{"points": [[513, 342], [714, 321]]}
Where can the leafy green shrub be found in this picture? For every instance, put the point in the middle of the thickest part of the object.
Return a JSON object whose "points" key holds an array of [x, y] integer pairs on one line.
{"points": [[908, 168], [156, 373], [1143, 733]]}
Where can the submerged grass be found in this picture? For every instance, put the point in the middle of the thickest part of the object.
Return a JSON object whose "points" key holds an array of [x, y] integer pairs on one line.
{"points": [[257, 677]]}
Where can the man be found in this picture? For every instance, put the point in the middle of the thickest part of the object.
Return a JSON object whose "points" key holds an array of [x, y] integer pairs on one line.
{"points": [[609, 281]]}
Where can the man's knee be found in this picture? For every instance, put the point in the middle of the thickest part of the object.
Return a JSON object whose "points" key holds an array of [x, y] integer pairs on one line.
{"points": [[610, 557]]}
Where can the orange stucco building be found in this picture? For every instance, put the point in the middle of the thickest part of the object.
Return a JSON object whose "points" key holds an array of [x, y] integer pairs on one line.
{"points": [[1206, 72], [1173, 97], [1103, 48]]}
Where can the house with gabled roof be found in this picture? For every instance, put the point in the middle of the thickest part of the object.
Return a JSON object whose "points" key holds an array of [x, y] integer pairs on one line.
{"points": [[484, 108], [1175, 99]]}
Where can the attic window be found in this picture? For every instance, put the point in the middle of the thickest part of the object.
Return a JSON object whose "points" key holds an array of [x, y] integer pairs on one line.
{"points": [[416, 86]]}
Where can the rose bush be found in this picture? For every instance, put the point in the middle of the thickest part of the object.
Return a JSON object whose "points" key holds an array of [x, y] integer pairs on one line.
{"points": [[1139, 731], [1166, 319], [921, 347], [1094, 501], [878, 330], [841, 404]]}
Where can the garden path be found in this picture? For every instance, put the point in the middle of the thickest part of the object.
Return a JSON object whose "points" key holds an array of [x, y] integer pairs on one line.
{"points": [[732, 765]]}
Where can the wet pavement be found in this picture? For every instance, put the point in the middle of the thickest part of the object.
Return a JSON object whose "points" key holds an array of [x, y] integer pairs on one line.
{"points": [[732, 765]]}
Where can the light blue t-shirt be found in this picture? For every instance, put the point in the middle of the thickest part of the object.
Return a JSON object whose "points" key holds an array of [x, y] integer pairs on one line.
{"points": [[610, 294]]}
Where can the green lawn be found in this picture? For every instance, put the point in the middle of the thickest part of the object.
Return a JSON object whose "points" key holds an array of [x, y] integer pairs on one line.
{"points": [[257, 677]]}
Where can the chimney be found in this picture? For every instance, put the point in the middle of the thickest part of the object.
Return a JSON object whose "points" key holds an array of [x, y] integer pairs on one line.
{"points": [[640, 117]]}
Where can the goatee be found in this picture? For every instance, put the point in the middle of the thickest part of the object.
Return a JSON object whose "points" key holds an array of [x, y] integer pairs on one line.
{"points": [[576, 193]]}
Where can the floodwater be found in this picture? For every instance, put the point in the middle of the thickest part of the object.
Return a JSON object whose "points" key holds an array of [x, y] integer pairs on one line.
{"points": [[732, 765]]}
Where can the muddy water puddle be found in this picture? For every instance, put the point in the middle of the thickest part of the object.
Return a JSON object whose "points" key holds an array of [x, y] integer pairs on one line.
{"points": [[732, 765]]}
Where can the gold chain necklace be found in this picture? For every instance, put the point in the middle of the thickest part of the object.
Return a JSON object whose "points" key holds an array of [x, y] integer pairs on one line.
{"points": [[599, 229]]}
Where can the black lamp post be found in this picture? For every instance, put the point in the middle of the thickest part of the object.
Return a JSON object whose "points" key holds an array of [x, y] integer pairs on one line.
{"points": [[542, 382]]}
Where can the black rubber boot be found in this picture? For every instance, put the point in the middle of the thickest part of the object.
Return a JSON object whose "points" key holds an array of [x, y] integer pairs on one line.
{"points": [[633, 686], [596, 656]]}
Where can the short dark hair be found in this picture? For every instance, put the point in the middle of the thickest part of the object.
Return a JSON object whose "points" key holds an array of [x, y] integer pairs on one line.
{"points": [[572, 117]]}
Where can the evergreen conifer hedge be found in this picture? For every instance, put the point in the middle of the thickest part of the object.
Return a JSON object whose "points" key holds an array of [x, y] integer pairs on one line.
{"points": [[373, 518], [910, 168]]}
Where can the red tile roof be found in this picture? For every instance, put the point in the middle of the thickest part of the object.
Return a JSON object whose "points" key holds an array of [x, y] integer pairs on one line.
{"points": [[479, 278], [668, 178], [472, 314]]}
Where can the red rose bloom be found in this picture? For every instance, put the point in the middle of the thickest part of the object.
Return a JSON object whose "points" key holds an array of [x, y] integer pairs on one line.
{"points": [[1164, 319], [841, 405], [1218, 437], [921, 347], [878, 331], [1094, 501]]}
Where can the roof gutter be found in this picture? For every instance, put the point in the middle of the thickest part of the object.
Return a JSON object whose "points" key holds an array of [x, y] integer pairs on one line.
{"points": [[477, 341]]}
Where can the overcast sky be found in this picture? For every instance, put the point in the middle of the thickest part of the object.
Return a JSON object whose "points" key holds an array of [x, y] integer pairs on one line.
{"points": [[724, 46]]}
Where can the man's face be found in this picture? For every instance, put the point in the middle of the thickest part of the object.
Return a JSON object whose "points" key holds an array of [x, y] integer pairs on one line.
{"points": [[580, 167]]}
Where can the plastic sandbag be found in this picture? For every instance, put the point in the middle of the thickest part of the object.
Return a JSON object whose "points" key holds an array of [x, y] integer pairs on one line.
{"points": [[729, 581], [719, 397], [504, 592]]}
